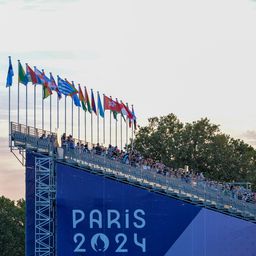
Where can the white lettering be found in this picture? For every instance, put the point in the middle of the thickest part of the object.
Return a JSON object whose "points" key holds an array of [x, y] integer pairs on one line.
{"points": [[96, 219], [114, 219], [75, 216], [137, 217]]}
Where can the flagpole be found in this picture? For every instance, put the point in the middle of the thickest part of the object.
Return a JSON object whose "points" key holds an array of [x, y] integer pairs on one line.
{"points": [[116, 132], [91, 128], [42, 104], [34, 106], [43, 107], [18, 115], [65, 115], [110, 124], [98, 120], [98, 129], [26, 105], [18, 109], [72, 117], [58, 111], [85, 139], [132, 128], [9, 85], [116, 125], [85, 126], [126, 142], [132, 135], [50, 113], [110, 131], [78, 113], [78, 124], [104, 120], [121, 131]]}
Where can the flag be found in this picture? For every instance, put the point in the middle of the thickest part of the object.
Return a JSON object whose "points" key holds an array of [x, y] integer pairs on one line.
{"points": [[110, 104], [82, 99], [100, 108], [76, 100], [31, 74], [75, 97], [39, 76], [46, 84], [22, 77], [120, 110], [87, 101], [125, 111], [93, 103], [65, 87], [53, 86], [114, 112], [10, 74], [115, 115], [47, 92], [134, 118]]}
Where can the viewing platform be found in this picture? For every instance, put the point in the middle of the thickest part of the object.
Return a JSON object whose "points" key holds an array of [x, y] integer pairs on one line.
{"points": [[199, 193]]}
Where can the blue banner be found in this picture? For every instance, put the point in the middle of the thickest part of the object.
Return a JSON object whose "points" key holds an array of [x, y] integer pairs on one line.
{"points": [[100, 216]]}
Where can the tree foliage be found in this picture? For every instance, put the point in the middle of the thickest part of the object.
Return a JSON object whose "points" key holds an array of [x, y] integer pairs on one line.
{"points": [[200, 145], [12, 227]]}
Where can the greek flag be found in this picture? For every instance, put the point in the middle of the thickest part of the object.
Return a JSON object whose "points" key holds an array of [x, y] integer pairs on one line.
{"points": [[64, 87]]}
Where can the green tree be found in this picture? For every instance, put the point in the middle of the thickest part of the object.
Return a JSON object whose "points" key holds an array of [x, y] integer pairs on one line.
{"points": [[200, 145], [12, 227]]}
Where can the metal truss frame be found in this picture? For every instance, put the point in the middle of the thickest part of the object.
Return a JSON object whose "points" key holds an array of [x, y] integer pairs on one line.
{"points": [[44, 206]]}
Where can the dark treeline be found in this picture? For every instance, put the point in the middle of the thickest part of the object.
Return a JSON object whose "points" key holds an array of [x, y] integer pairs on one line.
{"points": [[12, 227], [200, 145]]}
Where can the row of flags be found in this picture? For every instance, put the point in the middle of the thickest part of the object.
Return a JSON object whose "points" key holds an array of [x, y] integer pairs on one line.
{"points": [[65, 88]]}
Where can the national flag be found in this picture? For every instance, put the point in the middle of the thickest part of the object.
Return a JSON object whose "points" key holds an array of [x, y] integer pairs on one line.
{"points": [[100, 108], [82, 99], [65, 87], [110, 104], [39, 76], [120, 110], [75, 97], [93, 103], [134, 118], [125, 111], [53, 86], [47, 92], [115, 113], [87, 101], [22, 77], [31, 74], [10, 74], [46, 85], [130, 120]]}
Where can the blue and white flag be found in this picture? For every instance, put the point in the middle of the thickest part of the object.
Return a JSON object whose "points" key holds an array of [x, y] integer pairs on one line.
{"points": [[64, 87], [10, 74], [100, 108]]}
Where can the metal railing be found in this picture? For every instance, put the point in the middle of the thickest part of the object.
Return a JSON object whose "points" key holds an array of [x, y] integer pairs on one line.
{"points": [[196, 192]]}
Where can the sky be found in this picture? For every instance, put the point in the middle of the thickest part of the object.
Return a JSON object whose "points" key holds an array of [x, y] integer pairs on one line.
{"points": [[191, 58]]}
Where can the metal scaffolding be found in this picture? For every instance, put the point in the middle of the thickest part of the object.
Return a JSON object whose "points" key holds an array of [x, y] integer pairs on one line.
{"points": [[44, 207]]}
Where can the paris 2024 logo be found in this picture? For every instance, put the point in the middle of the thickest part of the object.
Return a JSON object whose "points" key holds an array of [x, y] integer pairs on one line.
{"points": [[99, 231]]}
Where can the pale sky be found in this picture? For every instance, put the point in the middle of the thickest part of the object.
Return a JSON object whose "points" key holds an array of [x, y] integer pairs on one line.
{"points": [[194, 58]]}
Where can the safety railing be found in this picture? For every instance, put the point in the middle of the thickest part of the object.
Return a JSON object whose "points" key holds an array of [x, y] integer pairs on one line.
{"points": [[196, 192]]}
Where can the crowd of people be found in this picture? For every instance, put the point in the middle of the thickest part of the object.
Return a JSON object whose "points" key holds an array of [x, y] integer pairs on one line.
{"points": [[135, 159]]}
